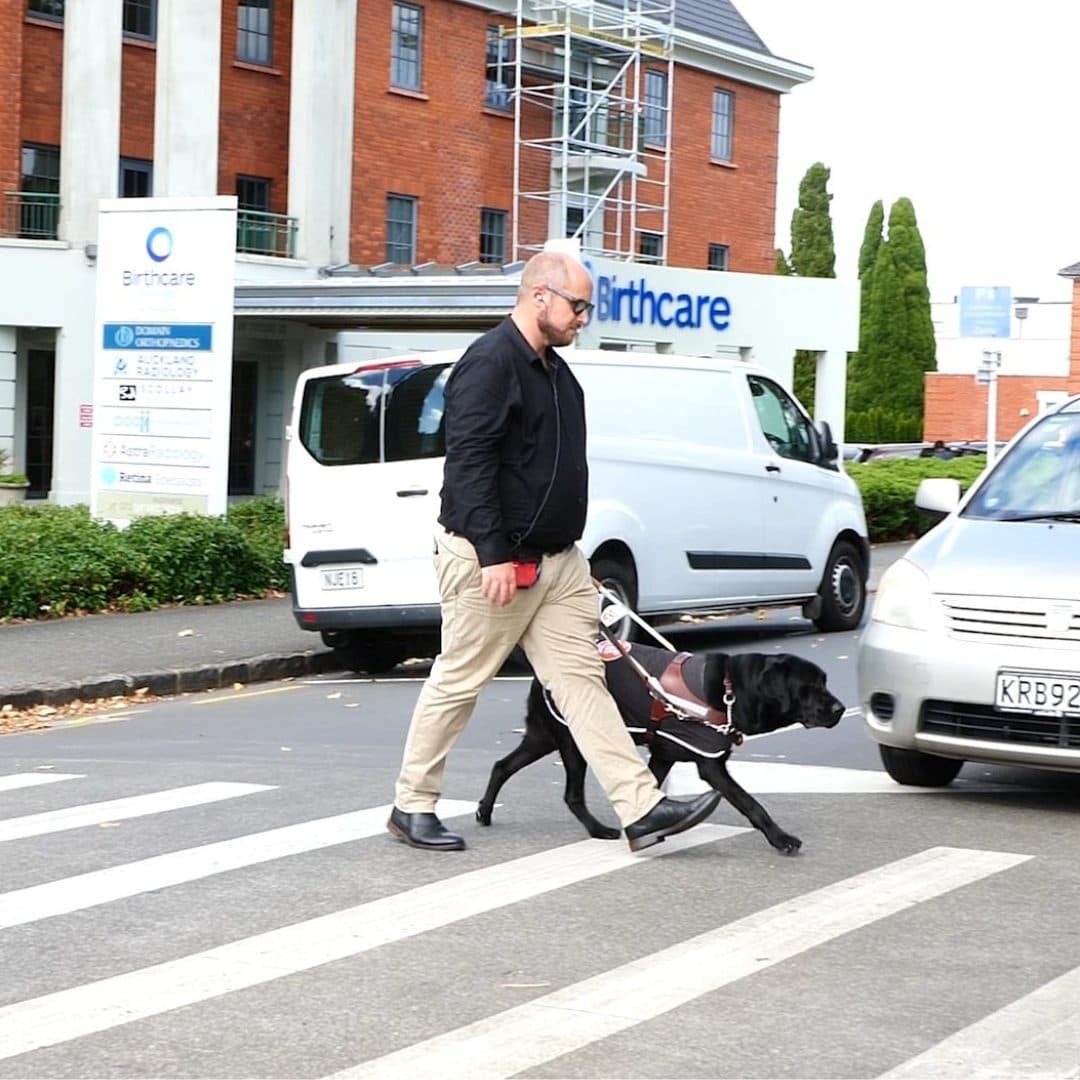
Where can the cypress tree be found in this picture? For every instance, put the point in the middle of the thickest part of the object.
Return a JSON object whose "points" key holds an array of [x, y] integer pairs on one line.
{"points": [[813, 254], [909, 254]]}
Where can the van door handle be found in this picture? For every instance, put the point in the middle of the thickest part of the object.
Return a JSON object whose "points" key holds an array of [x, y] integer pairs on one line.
{"points": [[768, 468], [404, 493]]}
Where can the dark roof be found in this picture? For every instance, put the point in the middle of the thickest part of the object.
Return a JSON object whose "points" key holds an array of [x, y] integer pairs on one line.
{"points": [[1070, 271], [718, 19]]}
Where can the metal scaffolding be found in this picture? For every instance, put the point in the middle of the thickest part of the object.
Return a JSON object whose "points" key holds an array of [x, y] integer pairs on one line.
{"points": [[592, 93]]}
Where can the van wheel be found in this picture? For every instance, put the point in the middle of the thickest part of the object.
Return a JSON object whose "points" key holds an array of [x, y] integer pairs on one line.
{"points": [[917, 769], [619, 579], [364, 654], [842, 589]]}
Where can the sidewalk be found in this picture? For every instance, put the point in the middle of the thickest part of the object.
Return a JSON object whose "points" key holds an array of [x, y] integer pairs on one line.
{"points": [[176, 650]]}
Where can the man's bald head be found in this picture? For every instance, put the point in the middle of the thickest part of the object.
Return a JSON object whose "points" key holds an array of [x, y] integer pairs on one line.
{"points": [[549, 268]]}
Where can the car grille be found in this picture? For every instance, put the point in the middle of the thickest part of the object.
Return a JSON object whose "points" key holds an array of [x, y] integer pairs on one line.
{"points": [[1013, 620], [967, 721]]}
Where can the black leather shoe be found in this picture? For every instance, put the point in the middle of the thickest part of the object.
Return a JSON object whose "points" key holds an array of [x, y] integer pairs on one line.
{"points": [[423, 831], [670, 816]]}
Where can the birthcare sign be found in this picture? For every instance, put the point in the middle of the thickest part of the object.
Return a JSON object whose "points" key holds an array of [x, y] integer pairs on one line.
{"points": [[163, 357]]}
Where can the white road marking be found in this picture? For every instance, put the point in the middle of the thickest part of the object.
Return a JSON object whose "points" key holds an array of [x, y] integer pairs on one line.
{"points": [[32, 779], [76, 817], [107, 1003], [114, 883], [1036, 1036], [559, 1023], [778, 778]]}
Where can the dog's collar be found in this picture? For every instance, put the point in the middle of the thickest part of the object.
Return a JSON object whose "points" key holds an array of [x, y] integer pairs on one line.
{"points": [[673, 680]]}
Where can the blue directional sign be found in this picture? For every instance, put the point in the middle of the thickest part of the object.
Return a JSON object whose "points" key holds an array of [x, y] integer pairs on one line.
{"points": [[190, 337], [985, 311]]}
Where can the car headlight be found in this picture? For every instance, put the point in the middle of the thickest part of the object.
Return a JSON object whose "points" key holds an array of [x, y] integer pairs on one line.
{"points": [[903, 597]]}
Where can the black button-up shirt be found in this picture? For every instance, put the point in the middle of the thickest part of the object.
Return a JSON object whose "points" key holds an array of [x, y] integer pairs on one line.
{"points": [[515, 482]]}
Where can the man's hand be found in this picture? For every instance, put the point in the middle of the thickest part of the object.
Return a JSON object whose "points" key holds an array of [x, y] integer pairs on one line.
{"points": [[498, 583]]}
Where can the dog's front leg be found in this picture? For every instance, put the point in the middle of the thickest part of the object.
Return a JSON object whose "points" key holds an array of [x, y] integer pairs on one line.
{"points": [[532, 747], [575, 766], [716, 775]]}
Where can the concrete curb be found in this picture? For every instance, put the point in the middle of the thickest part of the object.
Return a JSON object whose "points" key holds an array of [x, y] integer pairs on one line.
{"points": [[170, 682]]}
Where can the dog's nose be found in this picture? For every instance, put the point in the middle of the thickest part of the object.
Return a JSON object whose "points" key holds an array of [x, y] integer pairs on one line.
{"points": [[836, 711]]}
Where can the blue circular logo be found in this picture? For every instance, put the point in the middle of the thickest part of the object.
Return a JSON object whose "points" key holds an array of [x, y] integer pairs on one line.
{"points": [[159, 244]]}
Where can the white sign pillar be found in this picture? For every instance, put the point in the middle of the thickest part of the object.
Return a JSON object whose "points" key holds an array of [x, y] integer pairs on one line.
{"points": [[163, 342]]}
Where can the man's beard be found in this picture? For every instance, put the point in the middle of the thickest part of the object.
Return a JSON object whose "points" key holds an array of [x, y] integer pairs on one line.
{"points": [[555, 335]]}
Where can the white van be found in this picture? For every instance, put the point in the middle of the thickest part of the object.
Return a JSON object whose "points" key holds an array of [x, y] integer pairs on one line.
{"points": [[710, 490]]}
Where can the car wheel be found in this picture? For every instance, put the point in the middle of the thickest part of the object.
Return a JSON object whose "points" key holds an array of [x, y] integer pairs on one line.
{"points": [[917, 769], [619, 579], [842, 589]]}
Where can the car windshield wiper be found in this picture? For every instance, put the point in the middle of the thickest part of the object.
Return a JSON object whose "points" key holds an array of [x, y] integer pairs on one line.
{"points": [[1046, 515]]}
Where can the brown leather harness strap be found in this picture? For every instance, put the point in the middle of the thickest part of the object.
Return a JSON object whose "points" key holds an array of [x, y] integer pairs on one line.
{"points": [[673, 680]]}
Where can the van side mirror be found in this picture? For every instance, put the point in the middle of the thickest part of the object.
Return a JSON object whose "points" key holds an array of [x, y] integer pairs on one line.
{"points": [[829, 450]]}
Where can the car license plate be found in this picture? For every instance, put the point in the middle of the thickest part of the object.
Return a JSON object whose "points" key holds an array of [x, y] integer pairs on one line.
{"points": [[342, 577], [1038, 691]]}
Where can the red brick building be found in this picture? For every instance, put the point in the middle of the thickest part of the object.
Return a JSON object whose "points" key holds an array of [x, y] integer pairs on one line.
{"points": [[399, 135]]}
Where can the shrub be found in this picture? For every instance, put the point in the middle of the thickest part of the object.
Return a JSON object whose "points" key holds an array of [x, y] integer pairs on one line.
{"points": [[56, 560]]}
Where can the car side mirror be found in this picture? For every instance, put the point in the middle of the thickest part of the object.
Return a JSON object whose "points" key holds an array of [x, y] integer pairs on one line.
{"points": [[829, 450], [938, 495]]}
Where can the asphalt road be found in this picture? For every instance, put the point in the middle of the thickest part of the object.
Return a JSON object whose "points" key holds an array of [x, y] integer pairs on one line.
{"points": [[203, 887]]}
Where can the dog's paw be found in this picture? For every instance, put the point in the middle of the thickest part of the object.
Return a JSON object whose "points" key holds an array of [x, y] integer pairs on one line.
{"points": [[786, 843], [602, 832], [483, 816]]}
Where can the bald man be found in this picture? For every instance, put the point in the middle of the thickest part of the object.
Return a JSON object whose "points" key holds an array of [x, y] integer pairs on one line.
{"points": [[514, 497]]}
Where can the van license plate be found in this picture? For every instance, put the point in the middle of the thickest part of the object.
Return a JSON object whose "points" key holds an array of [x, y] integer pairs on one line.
{"points": [[343, 577], [1038, 691]]}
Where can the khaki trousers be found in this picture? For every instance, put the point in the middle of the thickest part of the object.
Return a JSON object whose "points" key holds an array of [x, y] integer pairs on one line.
{"points": [[555, 622]]}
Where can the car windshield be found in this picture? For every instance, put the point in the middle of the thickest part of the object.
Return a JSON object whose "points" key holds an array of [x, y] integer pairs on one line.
{"points": [[1038, 478]]}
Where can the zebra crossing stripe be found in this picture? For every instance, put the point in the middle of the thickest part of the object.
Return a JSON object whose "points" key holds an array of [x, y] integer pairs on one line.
{"points": [[33, 779], [108, 1003], [76, 817], [116, 882], [559, 1023], [1036, 1036]]}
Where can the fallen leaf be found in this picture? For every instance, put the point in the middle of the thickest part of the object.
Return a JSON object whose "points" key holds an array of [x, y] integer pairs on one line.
{"points": [[186, 633], [334, 696], [287, 749]]}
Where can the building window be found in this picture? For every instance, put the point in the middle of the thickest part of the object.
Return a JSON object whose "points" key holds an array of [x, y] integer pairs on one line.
{"points": [[255, 230], [500, 80], [656, 106], [136, 178], [401, 229], [255, 32], [718, 257], [575, 219], [39, 185], [140, 19], [723, 111], [492, 236], [650, 247], [50, 9], [406, 43]]}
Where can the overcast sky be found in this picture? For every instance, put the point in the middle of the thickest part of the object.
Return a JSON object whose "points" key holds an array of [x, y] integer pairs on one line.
{"points": [[967, 107]]}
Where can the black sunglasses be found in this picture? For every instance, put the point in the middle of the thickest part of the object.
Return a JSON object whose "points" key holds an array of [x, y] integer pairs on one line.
{"points": [[577, 304]]}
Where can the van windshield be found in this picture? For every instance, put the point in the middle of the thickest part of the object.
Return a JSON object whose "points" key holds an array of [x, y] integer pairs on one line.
{"points": [[377, 414]]}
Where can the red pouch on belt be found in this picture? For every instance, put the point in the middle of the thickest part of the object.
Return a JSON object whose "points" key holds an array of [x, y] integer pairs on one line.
{"points": [[526, 574]]}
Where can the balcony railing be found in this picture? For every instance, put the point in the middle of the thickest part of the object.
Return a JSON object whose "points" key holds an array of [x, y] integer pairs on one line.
{"points": [[31, 215], [260, 233]]}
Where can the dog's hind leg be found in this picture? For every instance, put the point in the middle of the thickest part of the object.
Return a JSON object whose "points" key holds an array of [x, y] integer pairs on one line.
{"points": [[532, 747], [714, 773], [575, 766]]}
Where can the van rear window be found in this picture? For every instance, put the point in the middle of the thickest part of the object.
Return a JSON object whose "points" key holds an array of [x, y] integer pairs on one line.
{"points": [[380, 414]]}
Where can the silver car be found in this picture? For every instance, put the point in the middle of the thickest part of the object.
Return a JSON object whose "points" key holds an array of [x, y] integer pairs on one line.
{"points": [[972, 652]]}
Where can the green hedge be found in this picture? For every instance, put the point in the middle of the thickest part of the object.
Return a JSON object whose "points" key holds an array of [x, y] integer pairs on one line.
{"points": [[57, 560]]}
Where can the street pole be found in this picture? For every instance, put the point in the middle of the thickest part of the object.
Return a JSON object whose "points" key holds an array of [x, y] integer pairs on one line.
{"points": [[991, 361]]}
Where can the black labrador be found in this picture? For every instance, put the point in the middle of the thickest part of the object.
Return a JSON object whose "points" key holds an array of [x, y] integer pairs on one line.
{"points": [[745, 694]]}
